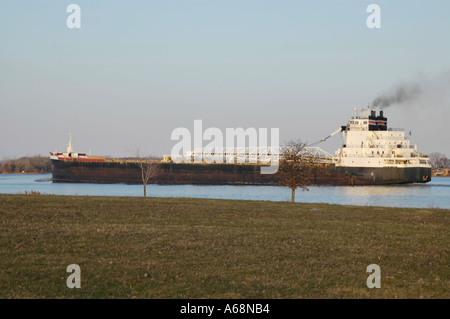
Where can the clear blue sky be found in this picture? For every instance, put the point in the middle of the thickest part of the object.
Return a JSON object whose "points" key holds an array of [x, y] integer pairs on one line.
{"points": [[136, 70]]}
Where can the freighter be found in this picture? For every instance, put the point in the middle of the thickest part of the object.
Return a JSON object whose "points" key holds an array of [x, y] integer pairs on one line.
{"points": [[371, 154]]}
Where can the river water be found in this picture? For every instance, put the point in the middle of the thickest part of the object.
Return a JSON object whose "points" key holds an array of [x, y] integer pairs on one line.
{"points": [[435, 194]]}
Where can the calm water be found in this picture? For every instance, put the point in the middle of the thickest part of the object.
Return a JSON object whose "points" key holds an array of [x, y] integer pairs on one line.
{"points": [[435, 194]]}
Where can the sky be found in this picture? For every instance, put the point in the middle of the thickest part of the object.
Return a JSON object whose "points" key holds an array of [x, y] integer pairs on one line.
{"points": [[137, 70]]}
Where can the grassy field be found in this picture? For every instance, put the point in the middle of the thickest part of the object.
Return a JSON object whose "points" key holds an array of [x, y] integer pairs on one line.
{"points": [[199, 248]]}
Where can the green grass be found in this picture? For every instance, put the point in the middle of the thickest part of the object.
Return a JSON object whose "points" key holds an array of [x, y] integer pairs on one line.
{"points": [[200, 248]]}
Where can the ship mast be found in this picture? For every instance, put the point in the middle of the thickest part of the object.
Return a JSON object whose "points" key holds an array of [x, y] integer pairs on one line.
{"points": [[69, 146]]}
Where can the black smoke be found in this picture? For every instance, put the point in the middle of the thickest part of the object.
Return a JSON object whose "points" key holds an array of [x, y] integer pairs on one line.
{"points": [[420, 92]]}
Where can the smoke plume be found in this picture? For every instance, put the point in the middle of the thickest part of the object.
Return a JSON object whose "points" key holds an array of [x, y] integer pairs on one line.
{"points": [[424, 91]]}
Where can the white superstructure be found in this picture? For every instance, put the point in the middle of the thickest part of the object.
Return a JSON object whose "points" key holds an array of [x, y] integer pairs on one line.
{"points": [[367, 142]]}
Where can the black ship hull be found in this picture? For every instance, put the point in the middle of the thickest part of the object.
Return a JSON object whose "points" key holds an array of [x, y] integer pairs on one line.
{"points": [[228, 174]]}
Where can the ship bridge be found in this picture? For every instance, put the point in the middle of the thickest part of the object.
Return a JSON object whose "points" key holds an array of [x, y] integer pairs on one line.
{"points": [[368, 142]]}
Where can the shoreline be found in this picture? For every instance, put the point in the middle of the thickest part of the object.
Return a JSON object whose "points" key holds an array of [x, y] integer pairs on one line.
{"points": [[32, 193]]}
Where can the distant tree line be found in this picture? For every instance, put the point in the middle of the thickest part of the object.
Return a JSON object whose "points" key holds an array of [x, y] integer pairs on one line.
{"points": [[439, 161], [35, 164]]}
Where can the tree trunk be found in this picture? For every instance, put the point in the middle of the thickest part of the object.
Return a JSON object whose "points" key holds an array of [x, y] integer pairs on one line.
{"points": [[143, 179], [293, 195]]}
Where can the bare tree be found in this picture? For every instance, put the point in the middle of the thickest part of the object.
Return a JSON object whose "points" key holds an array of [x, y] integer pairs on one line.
{"points": [[439, 160], [149, 169], [298, 168]]}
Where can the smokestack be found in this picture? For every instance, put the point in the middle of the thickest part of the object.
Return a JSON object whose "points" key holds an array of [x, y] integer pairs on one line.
{"points": [[381, 122]]}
